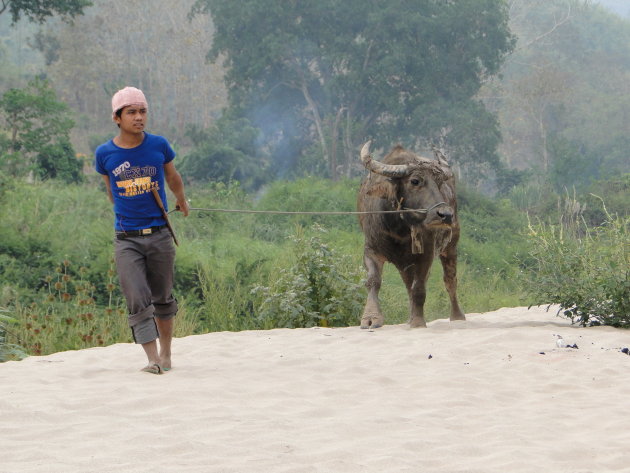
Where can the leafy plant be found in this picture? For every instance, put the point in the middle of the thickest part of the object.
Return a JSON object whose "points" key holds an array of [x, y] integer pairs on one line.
{"points": [[312, 195], [221, 257], [39, 127], [227, 152], [42, 10], [8, 350], [584, 270], [322, 288], [66, 316]]}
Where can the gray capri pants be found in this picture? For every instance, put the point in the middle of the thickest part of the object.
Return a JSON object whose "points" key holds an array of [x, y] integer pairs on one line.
{"points": [[145, 266]]}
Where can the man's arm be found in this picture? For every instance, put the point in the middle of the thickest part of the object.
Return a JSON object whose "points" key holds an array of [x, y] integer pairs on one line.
{"points": [[176, 185], [109, 187]]}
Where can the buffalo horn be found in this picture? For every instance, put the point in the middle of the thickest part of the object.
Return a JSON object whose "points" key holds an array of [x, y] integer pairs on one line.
{"points": [[440, 156], [388, 170]]}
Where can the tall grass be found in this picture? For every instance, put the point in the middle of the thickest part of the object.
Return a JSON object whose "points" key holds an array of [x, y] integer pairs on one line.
{"points": [[585, 270], [322, 287], [8, 350], [58, 283], [478, 291]]}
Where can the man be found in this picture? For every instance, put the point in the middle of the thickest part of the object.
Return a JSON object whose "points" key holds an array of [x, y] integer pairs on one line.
{"points": [[132, 164]]}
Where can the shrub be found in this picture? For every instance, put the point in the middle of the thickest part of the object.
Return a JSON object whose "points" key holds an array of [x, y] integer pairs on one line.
{"points": [[312, 195], [615, 191], [66, 316], [39, 127], [8, 351], [584, 270], [492, 232], [321, 288]]}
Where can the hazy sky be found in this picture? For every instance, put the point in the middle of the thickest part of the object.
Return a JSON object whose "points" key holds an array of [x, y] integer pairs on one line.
{"points": [[621, 7]]}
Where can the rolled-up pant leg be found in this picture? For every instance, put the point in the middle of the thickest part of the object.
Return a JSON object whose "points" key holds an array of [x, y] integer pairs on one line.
{"points": [[160, 273], [131, 265]]}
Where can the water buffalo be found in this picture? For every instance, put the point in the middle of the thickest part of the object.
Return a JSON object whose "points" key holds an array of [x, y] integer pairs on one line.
{"points": [[409, 240]]}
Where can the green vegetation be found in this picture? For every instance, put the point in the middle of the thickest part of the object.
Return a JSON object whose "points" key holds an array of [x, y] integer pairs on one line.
{"points": [[42, 10], [586, 270], [559, 119], [59, 289], [233, 271], [8, 350], [224, 153], [38, 129], [321, 288], [333, 72]]}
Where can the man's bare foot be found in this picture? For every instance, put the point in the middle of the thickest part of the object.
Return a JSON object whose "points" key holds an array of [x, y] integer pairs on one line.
{"points": [[153, 368], [166, 363]]}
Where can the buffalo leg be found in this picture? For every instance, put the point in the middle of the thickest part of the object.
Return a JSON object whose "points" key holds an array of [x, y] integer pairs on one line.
{"points": [[372, 315], [449, 264], [415, 277]]}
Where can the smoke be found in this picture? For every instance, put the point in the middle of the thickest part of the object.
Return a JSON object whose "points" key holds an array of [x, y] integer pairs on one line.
{"points": [[282, 132]]}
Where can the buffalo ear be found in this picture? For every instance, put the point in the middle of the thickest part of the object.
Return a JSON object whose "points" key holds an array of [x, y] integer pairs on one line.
{"points": [[383, 190], [441, 159], [440, 155]]}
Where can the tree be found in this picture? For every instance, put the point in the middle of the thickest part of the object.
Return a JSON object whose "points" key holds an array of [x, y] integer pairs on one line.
{"points": [[342, 70], [563, 95], [38, 133], [225, 152], [92, 57], [40, 10]]}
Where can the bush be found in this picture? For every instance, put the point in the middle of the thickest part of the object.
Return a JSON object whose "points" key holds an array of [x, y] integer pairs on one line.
{"points": [[61, 235], [58, 161], [226, 152], [584, 270], [492, 232], [8, 351], [312, 195], [321, 288], [615, 191], [67, 316], [39, 127]]}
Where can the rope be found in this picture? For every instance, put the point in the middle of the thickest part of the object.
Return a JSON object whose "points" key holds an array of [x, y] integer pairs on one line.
{"points": [[282, 212]]}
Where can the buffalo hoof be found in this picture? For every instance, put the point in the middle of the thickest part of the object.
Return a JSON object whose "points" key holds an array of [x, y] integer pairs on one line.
{"points": [[457, 316], [371, 322], [417, 322], [371, 325]]}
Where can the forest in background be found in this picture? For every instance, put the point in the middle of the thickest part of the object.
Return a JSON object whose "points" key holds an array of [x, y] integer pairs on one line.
{"points": [[560, 97], [536, 127]]}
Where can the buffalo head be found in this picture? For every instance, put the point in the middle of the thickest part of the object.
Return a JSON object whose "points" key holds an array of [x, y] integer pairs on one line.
{"points": [[411, 182]]}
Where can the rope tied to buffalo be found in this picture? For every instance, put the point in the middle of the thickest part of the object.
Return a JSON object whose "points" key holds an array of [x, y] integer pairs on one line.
{"points": [[287, 212]]}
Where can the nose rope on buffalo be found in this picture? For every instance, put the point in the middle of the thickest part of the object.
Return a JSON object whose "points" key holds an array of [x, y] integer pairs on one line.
{"points": [[284, 212]]}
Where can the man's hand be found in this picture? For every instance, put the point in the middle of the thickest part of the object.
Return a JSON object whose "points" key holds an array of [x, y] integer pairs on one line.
{"points": [[183, 207]]}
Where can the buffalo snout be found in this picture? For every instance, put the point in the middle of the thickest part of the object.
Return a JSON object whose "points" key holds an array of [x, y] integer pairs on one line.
{"points": [[446, 216]]}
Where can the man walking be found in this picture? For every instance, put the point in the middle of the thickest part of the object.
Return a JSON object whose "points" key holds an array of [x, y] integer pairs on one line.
{"points": [[132, 165]]}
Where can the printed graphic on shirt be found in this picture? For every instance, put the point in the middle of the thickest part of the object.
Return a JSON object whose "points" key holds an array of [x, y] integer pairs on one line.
{"points": [[134, 180]]}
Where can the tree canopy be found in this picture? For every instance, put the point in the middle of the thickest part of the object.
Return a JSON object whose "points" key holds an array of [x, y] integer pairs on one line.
{"points": [[39, 134], [339, 71], [40, 10], [91, 58], [564, 95]]}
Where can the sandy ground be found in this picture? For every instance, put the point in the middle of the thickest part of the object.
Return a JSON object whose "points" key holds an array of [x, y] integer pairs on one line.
{"points": [[492, 394]]}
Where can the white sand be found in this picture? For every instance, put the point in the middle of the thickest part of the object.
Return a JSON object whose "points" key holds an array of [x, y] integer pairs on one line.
{"points": [[331, 400]]}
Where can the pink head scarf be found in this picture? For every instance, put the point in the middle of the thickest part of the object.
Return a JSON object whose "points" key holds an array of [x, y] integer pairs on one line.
{"points": [[125, 97]]}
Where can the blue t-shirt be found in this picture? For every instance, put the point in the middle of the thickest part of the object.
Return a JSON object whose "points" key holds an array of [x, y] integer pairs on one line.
{"points": [[132, 174]]}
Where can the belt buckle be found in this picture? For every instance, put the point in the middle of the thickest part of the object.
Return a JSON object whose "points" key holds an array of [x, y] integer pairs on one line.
{"points": [[146, 231]]}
